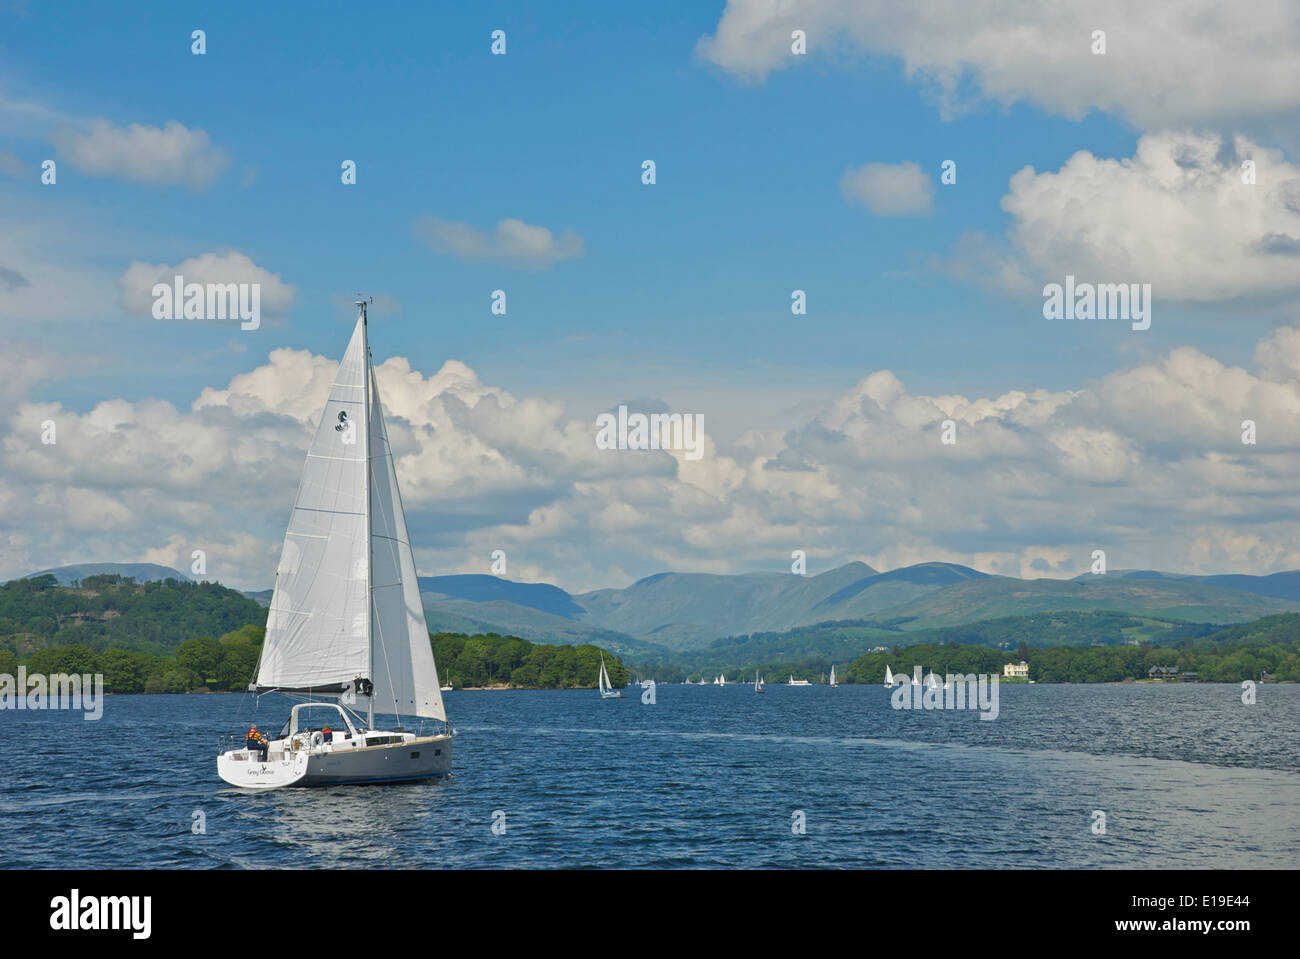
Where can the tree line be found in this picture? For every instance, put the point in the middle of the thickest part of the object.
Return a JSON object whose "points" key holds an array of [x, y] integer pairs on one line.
{"points": [[490, 659], [230, 663], [1270, 645]]}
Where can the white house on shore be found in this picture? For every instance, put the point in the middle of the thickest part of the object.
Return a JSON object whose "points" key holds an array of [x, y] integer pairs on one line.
{"points": [[1014, 671]]}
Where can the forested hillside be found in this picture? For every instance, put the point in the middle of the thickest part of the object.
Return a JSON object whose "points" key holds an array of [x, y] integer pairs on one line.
{"points": [[116, 611], [492, 659]]}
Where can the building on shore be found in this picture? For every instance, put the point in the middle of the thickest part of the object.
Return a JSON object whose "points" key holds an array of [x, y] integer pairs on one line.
{"points": [[1016, 670]]}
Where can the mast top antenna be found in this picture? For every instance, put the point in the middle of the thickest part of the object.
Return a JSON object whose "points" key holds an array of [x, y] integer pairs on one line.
{"points": [[362, 301]]}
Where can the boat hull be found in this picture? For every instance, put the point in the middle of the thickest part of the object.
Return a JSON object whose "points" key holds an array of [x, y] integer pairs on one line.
{"points": [[423, 757], [239, 768]]}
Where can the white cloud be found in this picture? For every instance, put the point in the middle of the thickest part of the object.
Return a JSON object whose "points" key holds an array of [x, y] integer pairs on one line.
{"points": [[513, 241], [1169, 63], [170, 154], [900, 189], [136, 284], [1176, 215], [1146, 463]]}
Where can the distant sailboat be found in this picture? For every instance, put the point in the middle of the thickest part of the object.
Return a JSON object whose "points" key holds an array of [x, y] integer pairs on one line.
{"points": [[758, 683], [607, 690], [890, 682], [834, 684], [722, 679]]}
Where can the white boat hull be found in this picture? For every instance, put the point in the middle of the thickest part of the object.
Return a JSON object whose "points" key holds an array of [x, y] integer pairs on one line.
{"points": [[240, 768], [414, 758]]}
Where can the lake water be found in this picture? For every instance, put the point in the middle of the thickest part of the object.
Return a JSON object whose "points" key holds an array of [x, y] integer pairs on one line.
{"points": [[1186, 775]]}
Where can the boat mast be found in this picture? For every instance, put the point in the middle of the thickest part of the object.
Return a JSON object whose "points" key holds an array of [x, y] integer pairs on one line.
{"points": [[370, 599]]}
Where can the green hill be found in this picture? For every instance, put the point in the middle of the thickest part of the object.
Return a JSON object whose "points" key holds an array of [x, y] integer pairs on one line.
{"points": [[501, 616], [116, 611], [1000, 596]]}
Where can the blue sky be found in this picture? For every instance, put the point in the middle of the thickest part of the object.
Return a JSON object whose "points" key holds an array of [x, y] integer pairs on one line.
{"points": [[682, 291], [692, 275]]}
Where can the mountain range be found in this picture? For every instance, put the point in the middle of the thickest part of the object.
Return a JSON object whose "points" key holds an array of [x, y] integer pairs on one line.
{"points": [[677, 612]]}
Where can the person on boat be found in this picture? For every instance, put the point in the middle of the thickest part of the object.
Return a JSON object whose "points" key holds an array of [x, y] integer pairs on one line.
{"points": [[328, 733], [256, 741]]}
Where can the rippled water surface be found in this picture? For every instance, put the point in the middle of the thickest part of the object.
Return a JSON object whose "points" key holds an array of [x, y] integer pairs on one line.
{"points": [[1187, 776]]}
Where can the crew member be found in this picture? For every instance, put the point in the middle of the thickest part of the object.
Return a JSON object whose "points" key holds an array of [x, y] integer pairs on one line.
{"points": [[256, 741], [329, 735]]}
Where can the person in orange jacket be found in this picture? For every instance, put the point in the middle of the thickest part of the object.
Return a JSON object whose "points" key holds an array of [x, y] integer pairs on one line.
{"points": [[256, 741]]}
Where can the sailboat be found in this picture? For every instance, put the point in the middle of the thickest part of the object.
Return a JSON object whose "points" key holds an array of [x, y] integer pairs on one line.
{"points": [[834, 684], [346, 621], [890, 682], [758, 683], [722, 679], [607, 690]]}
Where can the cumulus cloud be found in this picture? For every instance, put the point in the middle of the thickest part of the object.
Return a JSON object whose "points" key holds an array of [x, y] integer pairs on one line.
{"points": [[1146, 463], [169, 154], [899, 189], [1176, 215], [513, 241], [1168, 63], [136, 285]]}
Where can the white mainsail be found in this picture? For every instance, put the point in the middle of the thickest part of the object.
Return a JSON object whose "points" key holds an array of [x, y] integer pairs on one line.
{"points": [[832, 674], [347, 605], [889, 676]]}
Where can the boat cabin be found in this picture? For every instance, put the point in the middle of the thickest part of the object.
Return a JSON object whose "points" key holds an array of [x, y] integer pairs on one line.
{"points": [[313, 717]]}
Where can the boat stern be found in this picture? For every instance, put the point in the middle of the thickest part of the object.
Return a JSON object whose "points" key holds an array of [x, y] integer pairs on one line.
{"points": [[240, 767]]}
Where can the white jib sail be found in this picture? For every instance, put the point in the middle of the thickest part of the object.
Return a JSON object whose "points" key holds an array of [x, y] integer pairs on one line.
{"points": [[405, 675]]}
